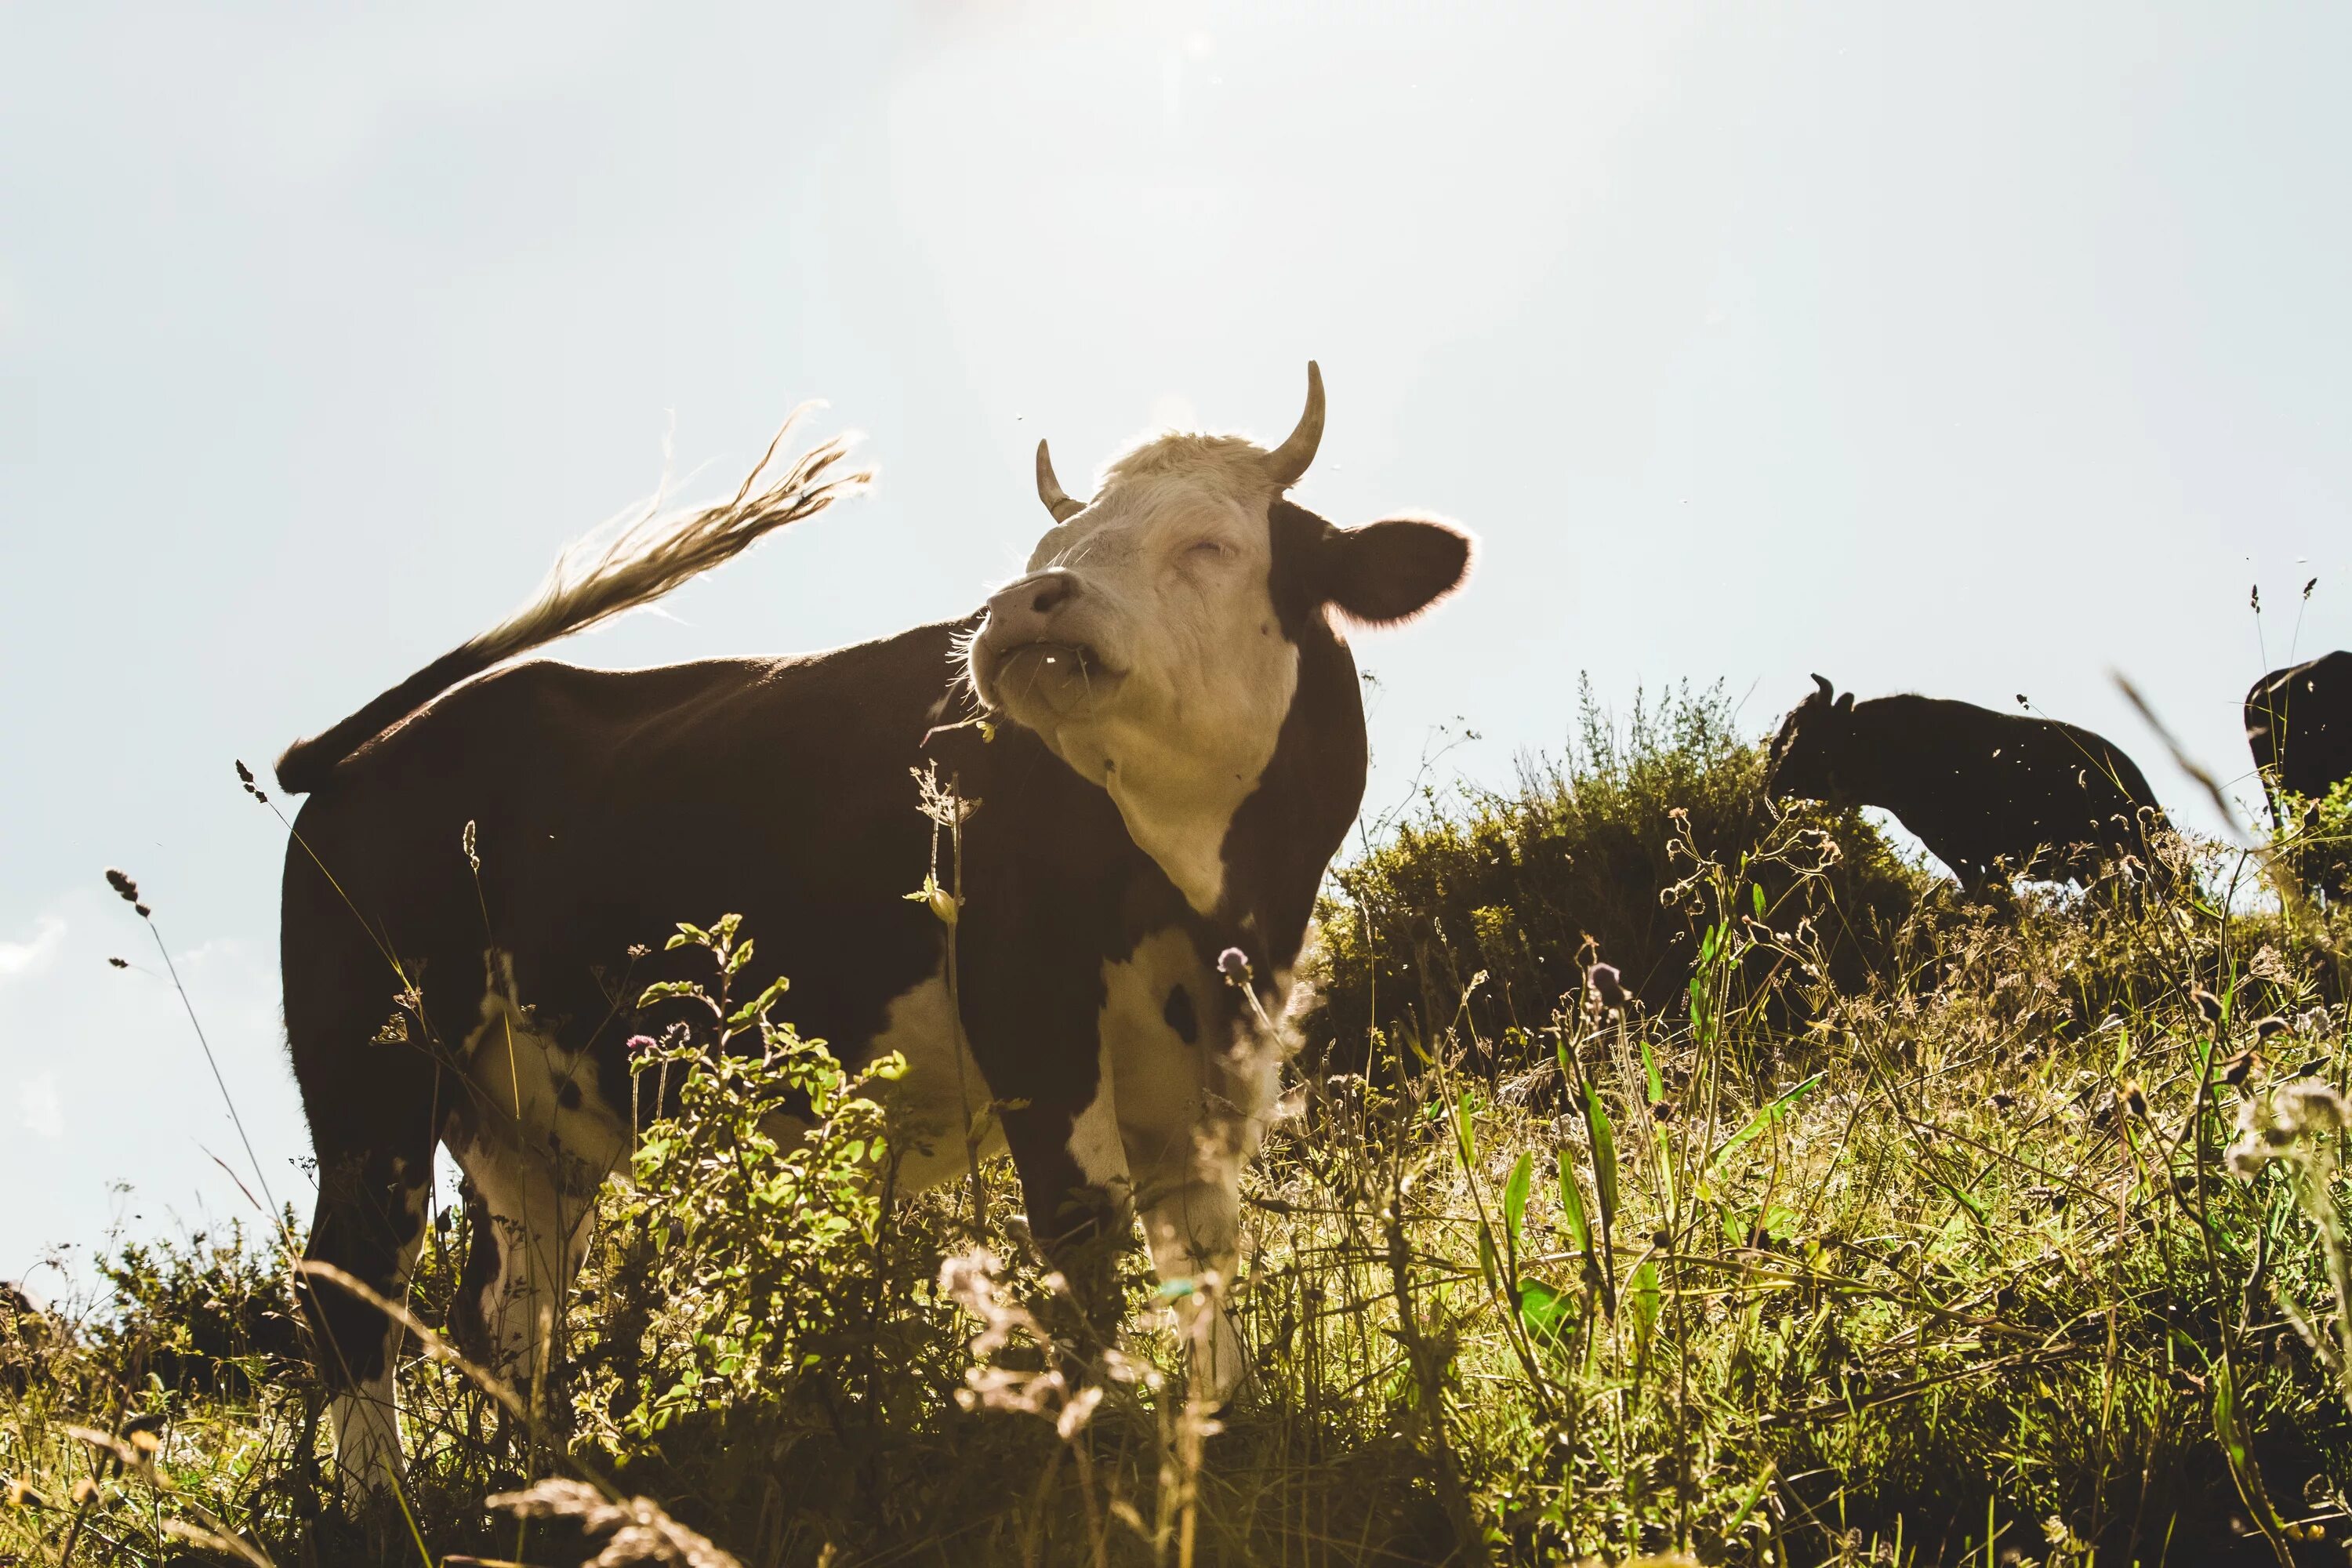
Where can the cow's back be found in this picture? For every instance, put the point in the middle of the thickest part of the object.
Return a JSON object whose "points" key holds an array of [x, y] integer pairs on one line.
{"points": [[1977, 786], [2299, 724], [604, 807]]}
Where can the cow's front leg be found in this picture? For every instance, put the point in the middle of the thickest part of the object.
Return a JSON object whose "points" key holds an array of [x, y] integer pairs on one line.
{"points": [[1193, 1227], [1073, 1178], [1196, 1081]]}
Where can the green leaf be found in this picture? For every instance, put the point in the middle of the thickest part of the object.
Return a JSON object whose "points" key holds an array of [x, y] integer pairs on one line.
{"points": [[1571, 1202], [1604, 1154], [661, 989], [1465, 1131], [1487, 1264], [1547, 1312], [1756, 888], [1650, 1071], [750, 1011], [1515, 1197], [2225, 1415], [1765, 1116], [1642, 1300]]}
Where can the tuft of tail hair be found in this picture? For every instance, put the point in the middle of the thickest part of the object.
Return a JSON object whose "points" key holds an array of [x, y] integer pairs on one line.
{"points": [[594, 579]]}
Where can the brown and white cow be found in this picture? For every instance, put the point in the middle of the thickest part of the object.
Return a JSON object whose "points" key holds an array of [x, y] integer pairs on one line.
{"points": [[1178, 749]]}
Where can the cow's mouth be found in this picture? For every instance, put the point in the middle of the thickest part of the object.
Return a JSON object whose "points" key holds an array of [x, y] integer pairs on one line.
{"points": [[1060, 677]]}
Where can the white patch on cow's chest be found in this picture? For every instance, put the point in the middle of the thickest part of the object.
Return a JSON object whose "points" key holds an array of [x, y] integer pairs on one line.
{"points": [[1181, 1098], [933, 1107], [1178, 782]]}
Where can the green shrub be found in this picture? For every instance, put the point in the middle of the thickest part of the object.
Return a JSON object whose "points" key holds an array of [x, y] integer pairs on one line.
{"points": [[1529, 888]]}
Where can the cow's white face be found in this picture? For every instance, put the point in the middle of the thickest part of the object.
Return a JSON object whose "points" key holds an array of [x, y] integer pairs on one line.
{"points": [[1145, 646]]}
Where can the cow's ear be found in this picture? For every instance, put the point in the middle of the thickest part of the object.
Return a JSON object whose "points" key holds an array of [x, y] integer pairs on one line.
{"points": [[1393, 570]]}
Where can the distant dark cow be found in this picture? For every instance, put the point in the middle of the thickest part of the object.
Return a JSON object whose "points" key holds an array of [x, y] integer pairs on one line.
{"points": [[1176, 749], [2299, 725], [1991, 795]]}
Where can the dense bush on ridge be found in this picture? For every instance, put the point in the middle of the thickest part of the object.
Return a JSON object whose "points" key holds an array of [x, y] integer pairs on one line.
{"points": [[1529, 887], [1877, 1224]]}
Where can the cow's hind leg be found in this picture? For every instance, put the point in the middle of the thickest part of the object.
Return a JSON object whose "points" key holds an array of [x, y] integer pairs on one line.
{"points": [[376, 1190], [537, 1142], [530, 1231]]}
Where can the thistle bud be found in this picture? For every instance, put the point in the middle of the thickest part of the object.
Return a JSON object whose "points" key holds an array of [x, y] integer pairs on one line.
{"points": [[2207, 1003]]}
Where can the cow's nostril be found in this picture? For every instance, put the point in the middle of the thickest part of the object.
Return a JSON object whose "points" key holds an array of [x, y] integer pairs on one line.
{"points": [[1052, 594]]}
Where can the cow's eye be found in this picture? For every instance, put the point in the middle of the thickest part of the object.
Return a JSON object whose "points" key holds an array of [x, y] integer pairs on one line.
{"points": [[1206, 550]]}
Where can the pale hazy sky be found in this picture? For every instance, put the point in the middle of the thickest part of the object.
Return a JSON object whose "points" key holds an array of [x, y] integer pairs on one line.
{"points": [[1974, 350]]}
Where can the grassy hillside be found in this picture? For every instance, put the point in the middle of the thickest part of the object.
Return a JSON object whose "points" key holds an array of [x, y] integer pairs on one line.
{"points": [[1868, 1227]]}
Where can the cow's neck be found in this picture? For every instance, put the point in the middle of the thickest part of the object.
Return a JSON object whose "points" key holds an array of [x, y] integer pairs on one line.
{"points": [[1181, 824], [1284, 836]]}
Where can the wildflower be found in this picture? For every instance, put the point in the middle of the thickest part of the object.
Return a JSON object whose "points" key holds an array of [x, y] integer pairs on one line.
{"points": [[466, 842], [2246, 1064], [1077, 1411], [2134, 1100], [2207, 1003], [2308, 1105], [124, 888], [119, 963], [2271, 1127], [638, 950], [2273, 1025], [1604, 991], [1234, 963], [245, 777]]}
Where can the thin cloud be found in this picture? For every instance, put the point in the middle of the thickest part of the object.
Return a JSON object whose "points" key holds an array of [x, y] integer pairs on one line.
{"points": [[20, 958]]}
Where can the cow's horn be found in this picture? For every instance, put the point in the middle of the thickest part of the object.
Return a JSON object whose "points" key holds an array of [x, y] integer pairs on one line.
{"points": [[1828, 692], [1286, 462], [1049, 489]]}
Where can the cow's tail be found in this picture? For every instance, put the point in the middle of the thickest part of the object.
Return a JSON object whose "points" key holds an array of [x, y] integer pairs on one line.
{"points": [[595, 578]]}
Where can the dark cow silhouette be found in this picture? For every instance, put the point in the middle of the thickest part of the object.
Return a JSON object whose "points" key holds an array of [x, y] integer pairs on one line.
{"points": [[2299, 726], [1991, 795], [1161, 726]]}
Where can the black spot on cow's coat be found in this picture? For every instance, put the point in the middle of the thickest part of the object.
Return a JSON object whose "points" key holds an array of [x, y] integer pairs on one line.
{"points": [[1179, 1016]]}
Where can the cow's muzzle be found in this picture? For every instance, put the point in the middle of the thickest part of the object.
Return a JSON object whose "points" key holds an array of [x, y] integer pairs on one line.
{"points": [[1031, 653]]}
